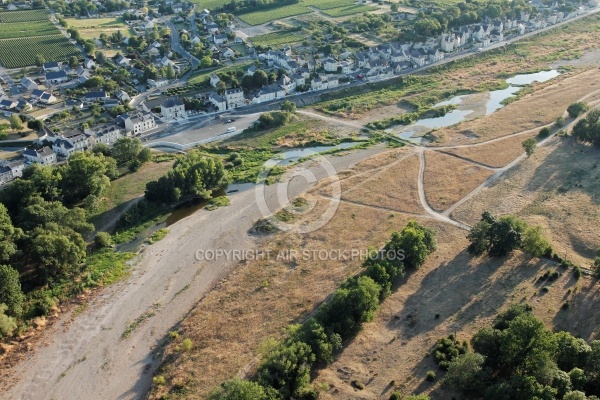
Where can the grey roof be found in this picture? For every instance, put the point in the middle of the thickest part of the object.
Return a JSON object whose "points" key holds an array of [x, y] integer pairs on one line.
{"points": [[96, 95], [172, 102], [234, 90], [56, 75], [51, 64], [216, 97]]}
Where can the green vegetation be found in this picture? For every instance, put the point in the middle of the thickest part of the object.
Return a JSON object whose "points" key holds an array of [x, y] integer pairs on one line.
{"points": [[27, 34], [286, 368], [158, 235], [262, 17], [21, 52], [276, 38], [576, 109], [529, 145], [447, 349], [202, 77], [519, 358], [221, 201], [348, 10], [587, 130], [499, 236]]}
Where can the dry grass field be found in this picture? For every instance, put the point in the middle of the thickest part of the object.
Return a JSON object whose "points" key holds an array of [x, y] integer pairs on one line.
{"points": [[542, 107], [449, 179], [496, 154], [394, 351], [558, 187]]}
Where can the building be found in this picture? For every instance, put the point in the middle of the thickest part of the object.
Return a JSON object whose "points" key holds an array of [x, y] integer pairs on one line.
{"points": [[44, 156], [217, 101], [172, 108], [56, 77], [63, 148], [51, 67], [122, 95], [92, 97], [122, 61], [219, 39], [214, 79], [330, 65], [28, 84], [8, 104], [228, 53], [107, 134], [234, 98], [11, 170], [138, 122], [158, 83]]}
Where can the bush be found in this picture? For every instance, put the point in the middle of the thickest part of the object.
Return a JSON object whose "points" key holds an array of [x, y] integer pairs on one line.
{"points": [[577, 273], [159, 380], [448, 349], [544, 133], [103, 240], [560, 122], [545, 289], [357, 384], [576, 109], [430, 376], [7, 324], [186, 344]]}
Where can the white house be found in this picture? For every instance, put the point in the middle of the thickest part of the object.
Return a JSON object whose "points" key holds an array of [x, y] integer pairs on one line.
{"points": [[217, 101], [56, 77], [122, 95], [43, 97], [11, 170], [138, 122], [158, 83], [219, 39], [234, 98], [107, 134], [228, 53], [214, 79], [172, 109], [51, 67], [330, 65], [28, 84], [287, 84], [44, 156]]}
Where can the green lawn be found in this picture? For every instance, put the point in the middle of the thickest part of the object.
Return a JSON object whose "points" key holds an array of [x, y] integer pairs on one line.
{"points": [[88, 23], [203, 76], [264, 16]]}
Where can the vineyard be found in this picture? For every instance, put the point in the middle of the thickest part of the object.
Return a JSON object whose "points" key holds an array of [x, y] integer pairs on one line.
{"points": [[264, 16], [328, 4], [276, 39], [24, 16], [27, 29], [348, 10], [25, 34], [21, 52]]}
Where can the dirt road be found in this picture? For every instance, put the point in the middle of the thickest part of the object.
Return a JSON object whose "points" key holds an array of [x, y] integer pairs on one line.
{"points": [[90, 356]]}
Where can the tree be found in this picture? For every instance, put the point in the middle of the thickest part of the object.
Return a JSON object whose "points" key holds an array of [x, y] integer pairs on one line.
{"points": [[8, 235], [56, 250], [73, 62], [414, 243], [89, 47], [529, 145], [576, 109], [466, 373], [100, 57], [534, 243], [40, 60], [497, 237], [221, 87], [572, 352], [15, 122], [144, 155], [287, 369], [206, 62], [238, 389], [575, 395], [394, 7], [288, 106], [84, 175], [126, 149], [103, 240], [10, 291], [35, 124], [322, 343], [7, 323], [587, 130]]}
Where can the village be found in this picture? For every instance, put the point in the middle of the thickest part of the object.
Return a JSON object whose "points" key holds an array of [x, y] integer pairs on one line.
{"points": [[185, 70]]}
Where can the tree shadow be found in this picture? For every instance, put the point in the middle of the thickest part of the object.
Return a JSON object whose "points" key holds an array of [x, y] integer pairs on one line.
{"points": [[582, 317], [461, 290]]}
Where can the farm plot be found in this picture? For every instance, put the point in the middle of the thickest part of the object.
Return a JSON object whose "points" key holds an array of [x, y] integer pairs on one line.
{"points": [[276, 38], [21, 52], [264, 16], [27, 29], [328, 4], [23, 16], [348, 10]]}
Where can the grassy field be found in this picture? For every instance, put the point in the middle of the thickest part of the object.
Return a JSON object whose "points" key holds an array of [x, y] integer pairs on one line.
{"points": [[328, 4], [91, 28], [276, 38], [201, 77], [348, 10], [210, 4], [264, 16]]}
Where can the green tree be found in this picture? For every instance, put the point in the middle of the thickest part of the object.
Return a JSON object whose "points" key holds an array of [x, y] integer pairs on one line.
{"points": [[100, 58], [238, 389], [7, 324], [287, 369], [84, 175], [587, 130], [206, 62], [529, 145], [15, 122], [10, 291], [56, 250], [576, 109], [572, 352], [40, 60], [288, 106], [322, 343], [534, 242], [394, 7], [126, 149], [8, 235], [415, 243], [466, 373], [575, 395]]}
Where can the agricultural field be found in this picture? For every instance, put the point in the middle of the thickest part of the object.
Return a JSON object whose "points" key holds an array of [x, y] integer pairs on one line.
{"points": [[328, 4], [21, 52], [348, 10], [26, 29], [25, 34], [211, 4], [23, 16], [92, 28], [263, 16], [276, 38]]}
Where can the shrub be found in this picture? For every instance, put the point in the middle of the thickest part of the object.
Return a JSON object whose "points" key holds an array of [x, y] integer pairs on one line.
{"points": [[577, 273], [186, 344], [545, 289], [395, 396], [7, 324], [576, 109], [103, 240], [560, 122], [357, 384], [447, 349], [430, 376], [544, 133], [159, 380]]}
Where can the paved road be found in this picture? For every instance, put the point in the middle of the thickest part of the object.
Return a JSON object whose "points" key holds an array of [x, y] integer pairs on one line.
{"points": [[177, 47]]}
